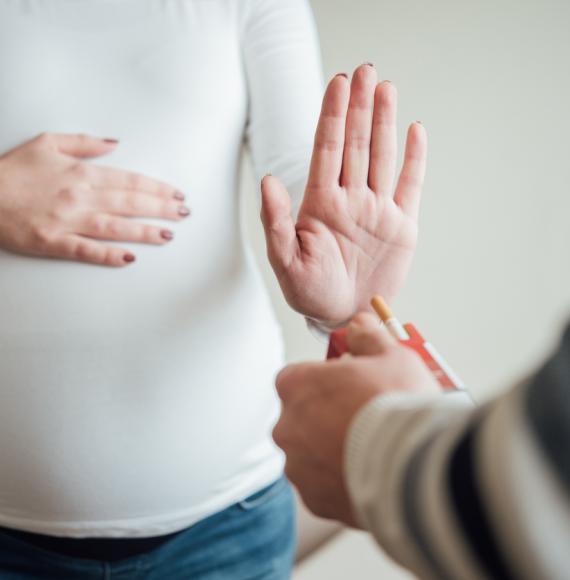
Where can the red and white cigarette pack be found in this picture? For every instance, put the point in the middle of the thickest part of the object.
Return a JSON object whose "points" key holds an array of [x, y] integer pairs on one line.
{"points": [[444, 374]]}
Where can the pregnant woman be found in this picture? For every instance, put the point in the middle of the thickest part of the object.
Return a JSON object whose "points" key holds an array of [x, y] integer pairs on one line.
{"points": [[138, 346]]}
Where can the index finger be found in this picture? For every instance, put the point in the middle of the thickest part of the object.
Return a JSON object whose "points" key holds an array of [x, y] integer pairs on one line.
{"points": [[110, 177], [292, 378], [326, 163]]}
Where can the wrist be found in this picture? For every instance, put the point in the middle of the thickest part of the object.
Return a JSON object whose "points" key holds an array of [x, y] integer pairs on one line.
{"points": [[322, 330]]}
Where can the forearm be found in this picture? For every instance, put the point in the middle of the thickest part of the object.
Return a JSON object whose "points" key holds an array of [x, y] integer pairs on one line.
{"points": [[382, 444], [284, 77], [445, 489]]}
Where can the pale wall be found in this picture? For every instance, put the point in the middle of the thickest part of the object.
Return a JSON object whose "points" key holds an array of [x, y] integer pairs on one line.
{"points": [[491, 282]]}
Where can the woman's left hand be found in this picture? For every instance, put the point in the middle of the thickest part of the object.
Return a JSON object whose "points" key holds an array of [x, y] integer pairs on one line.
{"points": [[353, 237]]}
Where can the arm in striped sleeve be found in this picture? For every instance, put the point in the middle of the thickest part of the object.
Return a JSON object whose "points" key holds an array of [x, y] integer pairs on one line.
{"points": [[452, 492]]}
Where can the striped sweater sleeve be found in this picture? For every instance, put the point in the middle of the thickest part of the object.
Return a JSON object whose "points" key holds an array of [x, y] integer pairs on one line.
{"points": [[453, 492]]}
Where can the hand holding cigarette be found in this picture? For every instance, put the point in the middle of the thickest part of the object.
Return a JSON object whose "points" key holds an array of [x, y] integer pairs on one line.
{"points": [[343, 341], [320, 400]]}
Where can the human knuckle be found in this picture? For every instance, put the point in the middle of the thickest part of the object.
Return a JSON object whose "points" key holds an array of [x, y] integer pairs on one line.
{"points": [[277, 434], [165, 191], [358, 141], [134, 203], [68, 196], [324, 143], [168, 208], [410, 180], [148, 233], [80, 171], [282, 385], [99, 225], [84, 251], [134, 181], [289, 471], [361, 105], [109, 256], [114, 228], [44, 139], [290, 393], [42, 236]]}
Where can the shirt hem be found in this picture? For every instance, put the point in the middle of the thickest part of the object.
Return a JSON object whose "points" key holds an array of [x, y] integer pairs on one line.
{"points": [[143, 527]]}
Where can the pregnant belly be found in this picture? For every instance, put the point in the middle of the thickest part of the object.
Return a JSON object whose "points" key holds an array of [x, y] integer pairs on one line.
{"points": [[119, 416]]}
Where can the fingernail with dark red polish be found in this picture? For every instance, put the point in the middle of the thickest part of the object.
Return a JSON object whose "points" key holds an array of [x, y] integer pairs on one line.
{"points": [[183, 211], [166, 235], [342, 75], [111, 141], [179, 195], [129, 258]]}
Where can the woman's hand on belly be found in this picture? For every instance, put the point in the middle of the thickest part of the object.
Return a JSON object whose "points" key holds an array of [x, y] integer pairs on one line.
{"points": [[354, 236], [54, 203]]}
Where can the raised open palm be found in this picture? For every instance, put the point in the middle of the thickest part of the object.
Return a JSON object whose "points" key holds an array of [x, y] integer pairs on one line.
{"points": [[354, 237]]}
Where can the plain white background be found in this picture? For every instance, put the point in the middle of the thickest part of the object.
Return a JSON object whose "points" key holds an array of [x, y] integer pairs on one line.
{"points": [[490, 285]]}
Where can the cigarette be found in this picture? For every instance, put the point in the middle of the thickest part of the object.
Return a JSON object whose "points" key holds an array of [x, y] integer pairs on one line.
{"points": [[392, 323], [431, 357]]}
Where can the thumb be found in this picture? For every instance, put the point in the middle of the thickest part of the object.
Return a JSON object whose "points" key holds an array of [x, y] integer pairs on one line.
{"points": [[83, 146], [367, 336], [280, 234]]}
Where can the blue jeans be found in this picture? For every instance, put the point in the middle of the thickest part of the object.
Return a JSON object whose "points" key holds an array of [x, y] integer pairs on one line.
{"points": [[253, 539]]}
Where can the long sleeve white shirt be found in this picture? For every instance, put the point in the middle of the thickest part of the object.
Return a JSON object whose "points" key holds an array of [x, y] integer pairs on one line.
{"points": [[135, 402]]}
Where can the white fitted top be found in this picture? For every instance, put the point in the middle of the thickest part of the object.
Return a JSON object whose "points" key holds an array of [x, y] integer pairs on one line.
{"points": [[135, 402]]}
